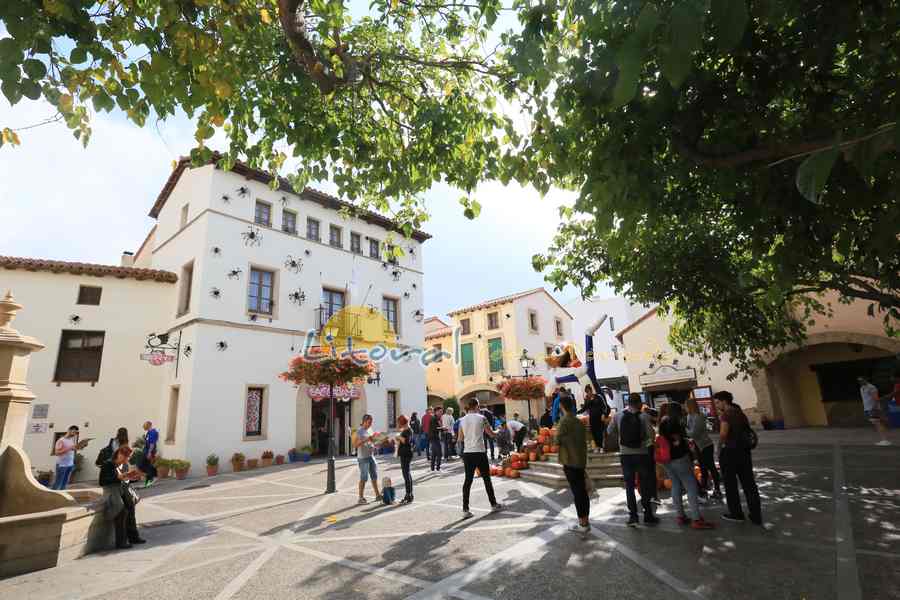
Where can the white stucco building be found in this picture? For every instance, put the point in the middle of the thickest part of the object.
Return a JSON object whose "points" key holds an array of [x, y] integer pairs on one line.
{"points": [[235, 274]]}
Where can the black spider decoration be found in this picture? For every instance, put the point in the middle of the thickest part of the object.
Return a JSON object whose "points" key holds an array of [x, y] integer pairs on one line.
{"points": [[307, 252], [216, 251], [243, 191], [372, 309], [412, 251], [234, 274], [74, 319], [252, 237], [384, 265], [254, 318], [222, 346], [414, 286], [298, 297], [396, 274], [406, 294], [295, 265], [215, 293], [187, 351], [226, 198], [284, 200], [419, 316]]}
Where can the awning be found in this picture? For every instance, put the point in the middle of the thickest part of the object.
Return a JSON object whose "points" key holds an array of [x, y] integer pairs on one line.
{"points": [[668, 376], [341, 392]]}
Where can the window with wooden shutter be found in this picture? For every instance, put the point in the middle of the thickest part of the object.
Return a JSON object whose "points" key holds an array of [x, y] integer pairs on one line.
{"points": [[493, 320], [89, 294], [80, 355], [467, 353]]}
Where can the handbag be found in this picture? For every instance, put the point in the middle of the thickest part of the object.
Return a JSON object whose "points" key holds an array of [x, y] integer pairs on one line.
{"points": [[132, 494], [663, 452]]}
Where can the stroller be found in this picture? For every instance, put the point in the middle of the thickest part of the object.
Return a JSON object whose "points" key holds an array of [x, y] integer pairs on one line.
{"points": [[504, 442]]}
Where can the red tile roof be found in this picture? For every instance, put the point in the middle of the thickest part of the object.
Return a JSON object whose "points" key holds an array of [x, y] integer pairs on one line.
{"points": [[439, 333], [326, 200], [505, 300], [77, 268]]}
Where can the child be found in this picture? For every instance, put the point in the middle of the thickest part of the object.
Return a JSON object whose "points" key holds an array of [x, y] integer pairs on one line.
{"points": [[387, 491]]}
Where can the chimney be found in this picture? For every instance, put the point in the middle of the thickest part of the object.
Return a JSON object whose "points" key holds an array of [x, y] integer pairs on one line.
{"points": [[127, 259]]}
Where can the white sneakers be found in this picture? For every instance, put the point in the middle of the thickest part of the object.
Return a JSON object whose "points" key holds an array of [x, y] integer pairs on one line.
{"points": [[579, 528], [884, 443]]}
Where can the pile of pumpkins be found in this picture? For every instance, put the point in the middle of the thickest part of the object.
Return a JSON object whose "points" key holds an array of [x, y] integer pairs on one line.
{"points": [[546, 440], [513, 465]]}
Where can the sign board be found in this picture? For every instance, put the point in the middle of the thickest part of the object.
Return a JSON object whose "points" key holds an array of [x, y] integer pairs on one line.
{"points": [[668, 374], [157, 358], [37, 428], [40, 411], [341, 392], [704, 391]]}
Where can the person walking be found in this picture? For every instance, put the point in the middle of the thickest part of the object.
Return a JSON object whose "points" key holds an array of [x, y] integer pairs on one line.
{"points": [[573, 457], [435, 439], [633, 429], [365, 451], [148, 463], [873, 409], [405, 454], [64, 450], [735, 459], [473, 429], [416, 427], [427, 420], [698, 433], [447, 422], [115, 479], [597, 409], [518, 431], [674, 454]]}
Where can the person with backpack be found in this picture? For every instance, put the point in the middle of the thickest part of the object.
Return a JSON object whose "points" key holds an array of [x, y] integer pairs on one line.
{"points": [[634, 432], [573, 457], [674, 454], [107, 451], [738, 440]]}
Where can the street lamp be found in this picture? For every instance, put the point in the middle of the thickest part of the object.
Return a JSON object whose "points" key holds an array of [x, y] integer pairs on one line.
{"points": [[331, 486], [526, 362]]}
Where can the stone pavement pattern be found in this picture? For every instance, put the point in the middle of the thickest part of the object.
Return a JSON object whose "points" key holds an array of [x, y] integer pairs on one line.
{"points": [[833, 510]]}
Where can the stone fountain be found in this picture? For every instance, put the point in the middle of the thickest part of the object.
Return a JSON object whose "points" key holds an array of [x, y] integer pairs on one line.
{"points": [[39, 528]]}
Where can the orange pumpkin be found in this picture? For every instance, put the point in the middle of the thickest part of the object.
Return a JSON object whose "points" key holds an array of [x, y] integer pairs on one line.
{"points": [[545, 431], [546, 449], [514, 473], [554, 449], [508, 472], [667, 483], [532, 456]]}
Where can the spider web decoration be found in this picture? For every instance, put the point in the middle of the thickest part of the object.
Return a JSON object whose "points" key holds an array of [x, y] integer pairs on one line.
{"points": [[294, 265], [187, 351], [298, 297], [215, 293], [243, 191], [252, 237], [222, 346], [234, 274]]}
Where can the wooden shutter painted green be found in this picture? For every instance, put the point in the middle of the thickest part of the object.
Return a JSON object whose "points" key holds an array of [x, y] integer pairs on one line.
{"points": [[495, 352], [468, 359]]}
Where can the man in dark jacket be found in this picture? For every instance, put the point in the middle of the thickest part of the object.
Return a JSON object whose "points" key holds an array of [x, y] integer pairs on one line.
{"points": [[115, 478], [735, 460], [596, 407], [546, 419], [436, 439], [489, 441]]}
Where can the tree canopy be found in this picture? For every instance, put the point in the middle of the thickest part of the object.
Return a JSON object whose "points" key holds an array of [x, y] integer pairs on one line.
{"points": [[734, 158]]}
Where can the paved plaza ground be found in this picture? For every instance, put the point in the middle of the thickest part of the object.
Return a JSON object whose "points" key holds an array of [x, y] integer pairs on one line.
{"points": [[831, 501]]}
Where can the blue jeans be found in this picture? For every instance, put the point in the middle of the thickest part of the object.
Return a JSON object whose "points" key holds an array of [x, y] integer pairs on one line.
{"points": [[367, 468], [681, 472], [62, 477]]}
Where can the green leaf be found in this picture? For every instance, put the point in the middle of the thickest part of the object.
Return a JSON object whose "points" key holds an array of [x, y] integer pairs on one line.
{"points": [[30, 89], [78, 55], [647, 21], [814, 171], [629, 60], [730, 18], [34, 68], [10, 89], [685, 31]]}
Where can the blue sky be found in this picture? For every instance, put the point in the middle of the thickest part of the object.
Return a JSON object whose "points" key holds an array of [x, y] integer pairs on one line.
{"points": [[62, 201]]}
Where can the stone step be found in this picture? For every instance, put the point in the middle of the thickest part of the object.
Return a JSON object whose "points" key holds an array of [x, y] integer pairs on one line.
{"points": [[595, 471], [560, 481]]}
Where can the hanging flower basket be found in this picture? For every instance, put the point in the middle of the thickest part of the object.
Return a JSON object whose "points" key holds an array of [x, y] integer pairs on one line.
{"points": [[523, 388], [317, 368]]}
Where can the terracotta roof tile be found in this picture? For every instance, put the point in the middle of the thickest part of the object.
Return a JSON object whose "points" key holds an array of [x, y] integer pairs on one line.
{"points": [[77, 268], [506, 299], [439, 333], [326, 200]]}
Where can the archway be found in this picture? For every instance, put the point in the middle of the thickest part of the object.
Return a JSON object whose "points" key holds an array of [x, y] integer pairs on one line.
{"points": [[813, 384], [435, 400]]}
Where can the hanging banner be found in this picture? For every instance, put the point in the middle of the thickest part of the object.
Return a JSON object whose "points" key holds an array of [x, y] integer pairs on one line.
{"points": [[341, 392]]}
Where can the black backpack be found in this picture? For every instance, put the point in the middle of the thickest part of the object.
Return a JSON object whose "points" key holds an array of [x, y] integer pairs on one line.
{"points": [[105, 454], [631, 430]]}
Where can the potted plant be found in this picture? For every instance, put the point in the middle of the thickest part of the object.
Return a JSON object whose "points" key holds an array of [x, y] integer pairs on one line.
{"points": [[162, 467], [237, 462], [181, 468], [266, 459], [279, 459], [212, 465], [252, 463], [305, 453], [293, 455]]}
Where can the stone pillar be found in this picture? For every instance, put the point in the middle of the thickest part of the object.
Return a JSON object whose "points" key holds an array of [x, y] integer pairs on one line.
{"points": [[15, 395]]}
